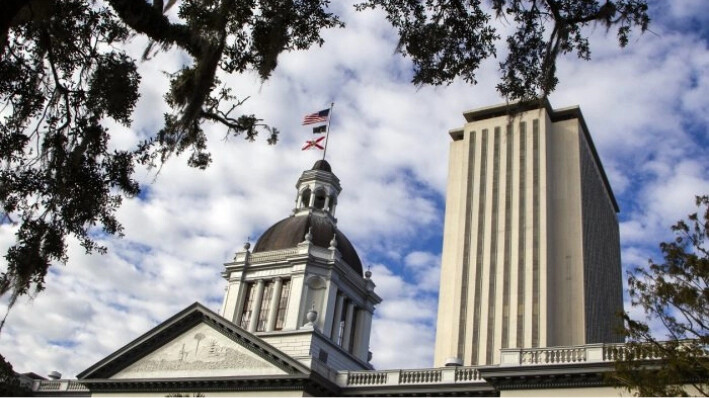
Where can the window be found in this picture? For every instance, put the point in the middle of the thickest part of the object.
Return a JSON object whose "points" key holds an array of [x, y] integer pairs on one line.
{"points": [[341, 322], [319, 202], [350, 347], [248, 306], [265, 307], [305, 201], [282, 305]]}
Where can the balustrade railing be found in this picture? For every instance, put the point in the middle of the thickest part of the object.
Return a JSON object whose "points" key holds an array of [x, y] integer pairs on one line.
{"points": [[621, 352], [458, 374], [420, 376], [539, 356], [76, 386], [49, 385], [366, 378], [467, 374]]}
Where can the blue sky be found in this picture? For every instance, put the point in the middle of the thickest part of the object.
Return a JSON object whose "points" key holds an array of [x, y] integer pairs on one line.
{"points": [[646, 107]]}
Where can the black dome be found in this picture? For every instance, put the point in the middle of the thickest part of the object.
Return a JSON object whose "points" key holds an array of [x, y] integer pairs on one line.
{"points": [[322, 165], [290, 231]]}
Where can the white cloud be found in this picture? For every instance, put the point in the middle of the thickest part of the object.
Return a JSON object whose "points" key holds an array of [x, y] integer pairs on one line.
{"points": [[403, 328]]}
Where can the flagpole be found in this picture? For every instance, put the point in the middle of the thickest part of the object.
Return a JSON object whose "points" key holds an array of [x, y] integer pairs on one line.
{"points": [[327, 129]]}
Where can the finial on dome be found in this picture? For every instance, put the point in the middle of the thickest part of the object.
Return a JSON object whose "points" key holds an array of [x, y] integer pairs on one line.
{"points": [[333, 242], [322, 165], [309, 235], [311, 316], [368, 272]]}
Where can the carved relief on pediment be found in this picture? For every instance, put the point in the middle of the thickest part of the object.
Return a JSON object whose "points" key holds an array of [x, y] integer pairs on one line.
{"points": [[201, 351]]}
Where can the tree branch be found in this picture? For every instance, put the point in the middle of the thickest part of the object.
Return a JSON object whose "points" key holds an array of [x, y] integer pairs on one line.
{"points": [[145, 19]]}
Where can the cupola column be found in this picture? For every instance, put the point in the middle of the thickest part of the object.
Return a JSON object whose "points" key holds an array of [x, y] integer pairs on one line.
{"points": [[258, 296], [275, 301], [296, 295], [349, 319], [326, 320], [336, 318], [362, 334]]}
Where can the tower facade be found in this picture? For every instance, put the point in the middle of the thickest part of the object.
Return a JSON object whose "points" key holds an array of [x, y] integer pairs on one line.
{"points": [[301, 288], [531, 252]]}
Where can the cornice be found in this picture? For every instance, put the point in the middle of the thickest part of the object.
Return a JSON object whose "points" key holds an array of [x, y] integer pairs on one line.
{"points": [[547, 376]]}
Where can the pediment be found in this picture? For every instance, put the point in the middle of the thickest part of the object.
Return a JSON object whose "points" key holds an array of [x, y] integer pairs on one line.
{"points": [[196, 342], [201, 351]]}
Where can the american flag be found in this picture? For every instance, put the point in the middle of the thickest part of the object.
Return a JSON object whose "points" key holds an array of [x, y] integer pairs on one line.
{"points": [[317, 117]]}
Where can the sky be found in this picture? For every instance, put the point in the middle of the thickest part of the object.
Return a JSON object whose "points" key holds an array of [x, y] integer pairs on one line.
{"points": [[646, 107]]}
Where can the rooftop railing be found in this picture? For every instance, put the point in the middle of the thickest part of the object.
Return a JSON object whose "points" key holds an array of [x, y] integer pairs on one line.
{"points": [[56, 386], [447, 375]]}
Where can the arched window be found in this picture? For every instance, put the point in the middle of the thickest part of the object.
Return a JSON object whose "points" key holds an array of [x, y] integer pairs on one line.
{"points": [[305, 198], [319, 202]]}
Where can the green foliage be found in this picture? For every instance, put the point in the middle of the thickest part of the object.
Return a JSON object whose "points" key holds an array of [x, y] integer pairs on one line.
{"points": [[449, 38], [674, 294], [530, 67], [64, 73], [10, 385], [57, 177]]}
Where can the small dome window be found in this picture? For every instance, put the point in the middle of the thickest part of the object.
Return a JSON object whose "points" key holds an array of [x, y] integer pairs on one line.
{"points": [[319, 202], [305, 198]]}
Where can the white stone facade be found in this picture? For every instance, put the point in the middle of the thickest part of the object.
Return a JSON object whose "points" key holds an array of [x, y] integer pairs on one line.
{"points": [[531, 248], [318, 279]]}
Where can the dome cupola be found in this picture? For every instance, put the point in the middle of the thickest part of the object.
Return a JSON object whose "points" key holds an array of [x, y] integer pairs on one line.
{"points": [[317, 189], [303, 279], [314, 214]]}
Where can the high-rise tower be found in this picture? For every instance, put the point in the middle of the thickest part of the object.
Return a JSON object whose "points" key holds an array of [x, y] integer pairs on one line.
{"points": [[531, 253]]}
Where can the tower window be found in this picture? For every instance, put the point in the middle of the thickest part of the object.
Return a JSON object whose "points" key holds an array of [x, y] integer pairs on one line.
{"points": [[341, 323], [319, 202], [248, 306], [282, 305], [265, 307], [305, 201], [353, 326]]}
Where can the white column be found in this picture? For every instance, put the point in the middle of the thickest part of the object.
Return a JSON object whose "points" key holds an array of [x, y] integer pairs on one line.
{"points": [[335, 328], [275, 301], [231, 298], [311, 200], [326, 205], [226, 295], [325, 319], [296, 294], [364, 327], [357, 337], [349, 319], [256, 305], [243, 288]]}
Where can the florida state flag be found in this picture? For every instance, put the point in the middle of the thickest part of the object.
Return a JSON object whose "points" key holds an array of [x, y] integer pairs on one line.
{"points": [[313, 144]]}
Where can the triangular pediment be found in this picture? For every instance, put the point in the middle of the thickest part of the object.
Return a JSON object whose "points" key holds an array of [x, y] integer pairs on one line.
{"points": [[201, 351], [196, 342]]}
